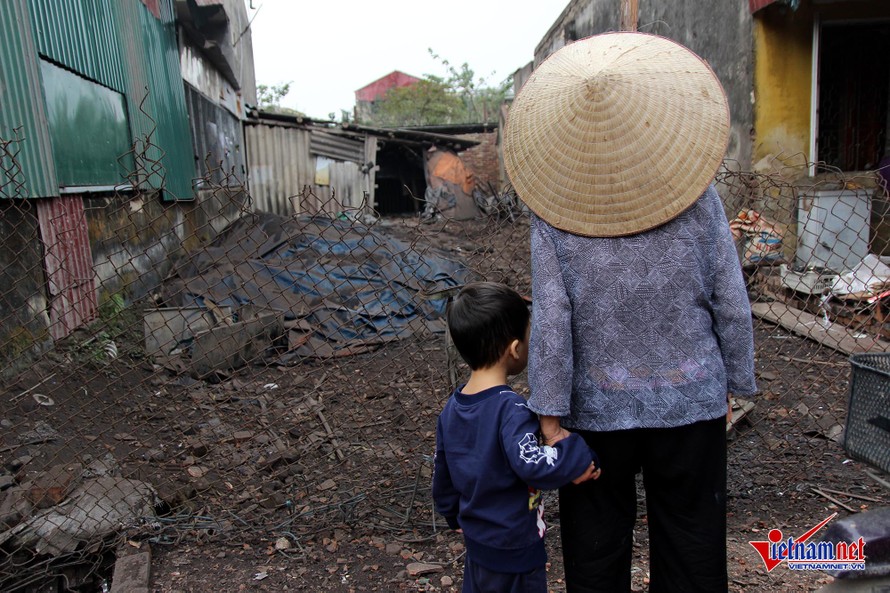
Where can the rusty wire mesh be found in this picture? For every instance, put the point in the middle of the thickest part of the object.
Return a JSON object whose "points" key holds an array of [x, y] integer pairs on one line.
{"points": [[257, 378]]}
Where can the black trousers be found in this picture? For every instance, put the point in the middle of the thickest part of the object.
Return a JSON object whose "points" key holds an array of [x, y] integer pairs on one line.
{"points": [[684, 474]]}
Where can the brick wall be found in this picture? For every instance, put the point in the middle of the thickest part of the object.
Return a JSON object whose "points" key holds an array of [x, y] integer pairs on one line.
{"points": [[482, 160]]}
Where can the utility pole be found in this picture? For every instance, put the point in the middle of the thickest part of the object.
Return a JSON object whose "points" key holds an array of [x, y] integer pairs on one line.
{"points": [[629, 14]]}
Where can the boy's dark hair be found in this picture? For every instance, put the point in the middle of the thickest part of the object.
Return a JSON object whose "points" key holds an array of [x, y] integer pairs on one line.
{"points": [[484, 319]]}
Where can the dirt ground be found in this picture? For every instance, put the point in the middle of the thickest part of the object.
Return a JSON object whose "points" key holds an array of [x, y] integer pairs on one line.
{"points": [[773, 465], [316, 477]]}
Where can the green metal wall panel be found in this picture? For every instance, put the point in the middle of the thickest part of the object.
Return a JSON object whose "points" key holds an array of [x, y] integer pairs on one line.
{"points": [[118, 44], [156, 96], [83, 113], [19, 87], [80, 35]]}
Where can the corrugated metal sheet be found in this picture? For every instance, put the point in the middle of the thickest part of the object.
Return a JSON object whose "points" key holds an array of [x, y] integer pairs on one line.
{"points": [[153, 80], [336, 147], [199, 72], [346, 185], [79, 108], [280, 164], [19, 85], [117, 43], [218, 140], [68, 263], [80, 35]]}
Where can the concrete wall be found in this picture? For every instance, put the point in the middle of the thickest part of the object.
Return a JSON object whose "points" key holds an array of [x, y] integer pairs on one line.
{"points": [[134, 239], [720, 32], [23, 319], [131, 239], [783, 83]]}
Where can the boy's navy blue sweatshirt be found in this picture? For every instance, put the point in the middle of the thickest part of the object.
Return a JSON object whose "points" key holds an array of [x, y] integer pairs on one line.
{"points": [[488, 470]]}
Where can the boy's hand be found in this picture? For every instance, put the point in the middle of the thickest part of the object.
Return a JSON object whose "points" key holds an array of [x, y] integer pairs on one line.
{"points": [[591, 473]]}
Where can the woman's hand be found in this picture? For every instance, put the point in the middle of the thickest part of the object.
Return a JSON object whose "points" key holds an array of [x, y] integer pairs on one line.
{"points": [[551, 431]]}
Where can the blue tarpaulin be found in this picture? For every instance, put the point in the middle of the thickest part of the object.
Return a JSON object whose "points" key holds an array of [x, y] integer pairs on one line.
{"points": [[350, 286]]}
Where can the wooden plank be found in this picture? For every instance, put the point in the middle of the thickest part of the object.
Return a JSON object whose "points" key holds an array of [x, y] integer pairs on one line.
{"points": [[836, 335], [629, 11]]}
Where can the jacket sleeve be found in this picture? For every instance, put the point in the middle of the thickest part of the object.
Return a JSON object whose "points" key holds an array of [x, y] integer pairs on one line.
{"points": [[731, 306], [550, 346], [446, 498], [541, 466]]}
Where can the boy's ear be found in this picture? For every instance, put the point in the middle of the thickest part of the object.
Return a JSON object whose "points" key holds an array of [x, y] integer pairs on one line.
{"points": [[514, 348]]}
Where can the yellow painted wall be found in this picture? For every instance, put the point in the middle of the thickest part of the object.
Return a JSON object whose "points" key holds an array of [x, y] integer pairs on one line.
{"points": [[783, 41], [782, 83]]}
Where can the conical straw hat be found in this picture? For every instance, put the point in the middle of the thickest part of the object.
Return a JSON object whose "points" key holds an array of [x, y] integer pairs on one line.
{"points": [[616, 134]]}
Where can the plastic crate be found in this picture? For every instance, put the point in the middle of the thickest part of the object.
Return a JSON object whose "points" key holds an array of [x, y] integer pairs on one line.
{"points": [[867, 434]]}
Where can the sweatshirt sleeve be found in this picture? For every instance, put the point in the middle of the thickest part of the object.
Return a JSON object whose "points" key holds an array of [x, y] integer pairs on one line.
{"points": [[550, 346], [541, 466], [446, 498], [731, 307]]}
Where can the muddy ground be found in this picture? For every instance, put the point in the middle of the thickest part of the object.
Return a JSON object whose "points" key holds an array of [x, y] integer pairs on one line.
{"points": [[315, 477]]}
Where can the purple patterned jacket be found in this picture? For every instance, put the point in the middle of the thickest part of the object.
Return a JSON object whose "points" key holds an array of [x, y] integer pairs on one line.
{"points": [[644, 331]]}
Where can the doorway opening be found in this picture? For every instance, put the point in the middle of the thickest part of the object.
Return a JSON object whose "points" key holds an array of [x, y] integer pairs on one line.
{"points": [[854, 92]]}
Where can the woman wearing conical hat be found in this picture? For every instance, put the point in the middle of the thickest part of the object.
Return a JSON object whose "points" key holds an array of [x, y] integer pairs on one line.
{"points": [[641, 325]]}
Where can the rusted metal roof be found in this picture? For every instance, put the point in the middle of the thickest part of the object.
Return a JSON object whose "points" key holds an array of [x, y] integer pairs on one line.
{"points": [[413, 136]]}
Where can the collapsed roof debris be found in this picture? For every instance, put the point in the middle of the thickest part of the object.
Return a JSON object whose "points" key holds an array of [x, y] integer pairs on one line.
{"points": [[341, 287]]}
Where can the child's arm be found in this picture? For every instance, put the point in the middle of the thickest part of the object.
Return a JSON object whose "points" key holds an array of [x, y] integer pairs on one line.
{"points": [[445, 496], [542, 466]]}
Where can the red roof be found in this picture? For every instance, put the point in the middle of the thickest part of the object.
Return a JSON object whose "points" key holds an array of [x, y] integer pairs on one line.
{"points": [[755, 5], [378, 88]]}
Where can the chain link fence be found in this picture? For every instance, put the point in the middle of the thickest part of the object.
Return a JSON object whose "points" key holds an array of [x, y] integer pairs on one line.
{"points": [[235, 375]]}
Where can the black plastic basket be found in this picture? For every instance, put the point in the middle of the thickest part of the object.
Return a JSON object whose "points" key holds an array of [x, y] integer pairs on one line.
{"points": [[867, 435]]}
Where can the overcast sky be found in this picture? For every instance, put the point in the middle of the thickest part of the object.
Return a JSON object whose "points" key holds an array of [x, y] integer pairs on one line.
{"points": [[331, 48]]}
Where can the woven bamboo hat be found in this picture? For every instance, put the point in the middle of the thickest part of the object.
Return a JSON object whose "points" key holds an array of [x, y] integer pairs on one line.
{"points": [[616, 134]]}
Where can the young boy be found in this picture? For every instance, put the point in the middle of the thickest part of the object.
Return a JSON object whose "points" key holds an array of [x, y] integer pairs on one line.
{"points": [[489, 466]]}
